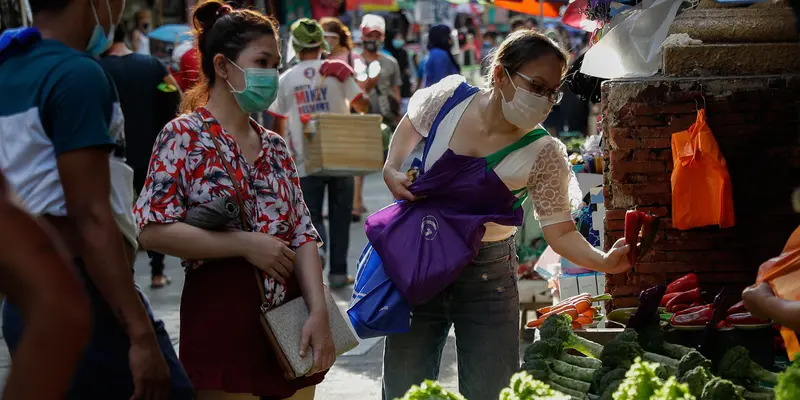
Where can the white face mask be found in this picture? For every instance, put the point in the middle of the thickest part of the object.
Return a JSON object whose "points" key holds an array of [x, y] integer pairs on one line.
{"points": [[527, 109]]}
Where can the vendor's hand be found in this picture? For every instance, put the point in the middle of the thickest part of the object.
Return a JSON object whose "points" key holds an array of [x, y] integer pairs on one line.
{"points": [[398, 184], [268, 254], [337, 69], [755, 298], [616, 260], [317, 334]]}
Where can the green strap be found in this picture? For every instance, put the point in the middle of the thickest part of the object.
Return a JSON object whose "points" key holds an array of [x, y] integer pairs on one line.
{"points": [[494, 159]]}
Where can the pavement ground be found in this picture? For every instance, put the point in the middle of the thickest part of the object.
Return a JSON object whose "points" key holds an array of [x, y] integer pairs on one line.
{"points": [[356, 374]]}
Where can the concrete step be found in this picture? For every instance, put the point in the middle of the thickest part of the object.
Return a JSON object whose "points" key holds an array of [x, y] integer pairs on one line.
{"points": [[732, 59]]}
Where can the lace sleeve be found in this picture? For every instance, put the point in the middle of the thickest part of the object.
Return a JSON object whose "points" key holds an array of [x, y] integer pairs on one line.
{"points": [[552, 185], [426, 103]]}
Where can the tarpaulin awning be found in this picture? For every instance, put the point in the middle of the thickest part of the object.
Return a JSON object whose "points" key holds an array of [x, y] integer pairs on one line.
{"points": [[372, 5], [531, 7]]}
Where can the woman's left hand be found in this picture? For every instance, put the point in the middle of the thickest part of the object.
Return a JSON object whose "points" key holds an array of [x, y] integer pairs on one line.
{"points": [[616, 261], [755, 298], [317, 334]]}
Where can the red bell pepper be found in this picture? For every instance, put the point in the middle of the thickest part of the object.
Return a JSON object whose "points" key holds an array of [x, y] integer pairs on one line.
{"points": [[684, 283], [745, 318], [693, 309], [700, 317], [633, 225], [678, 308], [650, 224], [667, 297], [687, 297], [737, 308]]}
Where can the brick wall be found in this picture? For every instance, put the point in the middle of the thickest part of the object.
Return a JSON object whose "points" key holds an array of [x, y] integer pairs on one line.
{"points": [[756, 121]]}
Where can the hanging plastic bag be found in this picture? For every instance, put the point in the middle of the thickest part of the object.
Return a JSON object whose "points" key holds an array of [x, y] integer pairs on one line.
{"points": [[701, 185], [632, 46], [377, 307], [783, 275]]}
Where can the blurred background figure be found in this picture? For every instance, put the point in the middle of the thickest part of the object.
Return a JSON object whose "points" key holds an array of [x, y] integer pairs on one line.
{"points": [[396, 48], [149, 98], [139, 39], [340, 41], [441, 62], [185, 66]]}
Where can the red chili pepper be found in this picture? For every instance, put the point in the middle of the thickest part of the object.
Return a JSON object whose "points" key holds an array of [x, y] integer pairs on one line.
{"points": [[737, 308], [678, 308], [667, 297], [745, 318], [684, 283], [633, 224], [695, 304], [650, 224], [688, 309], [700, 317], [722, 324], [687, 297]]}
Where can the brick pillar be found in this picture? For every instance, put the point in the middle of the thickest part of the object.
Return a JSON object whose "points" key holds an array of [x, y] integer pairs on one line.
{"points": [[756, 121]]}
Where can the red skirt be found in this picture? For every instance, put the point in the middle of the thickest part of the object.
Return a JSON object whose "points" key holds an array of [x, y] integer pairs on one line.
{"points": [[222, 342]]}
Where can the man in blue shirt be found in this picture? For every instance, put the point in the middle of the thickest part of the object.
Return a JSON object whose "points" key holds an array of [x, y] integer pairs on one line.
{"points": [[62, 150]]}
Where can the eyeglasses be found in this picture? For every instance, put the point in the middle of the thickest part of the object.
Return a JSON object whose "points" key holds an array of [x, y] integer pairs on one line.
{"points": [[553, 95]]}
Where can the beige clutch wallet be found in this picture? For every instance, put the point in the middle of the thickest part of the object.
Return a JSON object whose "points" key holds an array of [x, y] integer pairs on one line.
{"points": [[283, 326]]}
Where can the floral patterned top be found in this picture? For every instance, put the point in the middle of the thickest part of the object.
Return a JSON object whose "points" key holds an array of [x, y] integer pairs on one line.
{"points": [[185, 171]]}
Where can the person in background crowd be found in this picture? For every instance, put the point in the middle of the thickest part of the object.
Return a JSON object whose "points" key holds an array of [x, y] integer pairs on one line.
{"points": [[383, 90], [517, 23], [483, 303], [395, 48], [340, 42], [222, 342], [441, 62], [35, 274], [309, 88], [186, 60], [63, 153], [139, 39], [149, 99], [489, 43]]}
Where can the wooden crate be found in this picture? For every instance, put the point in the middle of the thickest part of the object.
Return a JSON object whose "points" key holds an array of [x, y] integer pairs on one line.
{"points": [[343, 144]]}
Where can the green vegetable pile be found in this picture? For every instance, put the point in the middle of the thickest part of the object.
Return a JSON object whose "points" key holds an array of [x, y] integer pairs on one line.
{"points": [[524, 387], [788, 386], [430, 390]]}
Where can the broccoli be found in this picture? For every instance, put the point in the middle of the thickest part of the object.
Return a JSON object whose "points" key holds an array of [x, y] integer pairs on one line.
{"points": [[537, 368], [673, 390], [560, 327], [609, 378], [651, 338], [430, 390], [736, 365], [676, 351], [748, 395], [576, 395], [540, 369], [690, 361], [696, 380], [720, 389], [572, 384], [788, 386], [640, 382], [524, 387], [585, 362], [608, 393], [621, 352], [548, 348], [571, 371]]}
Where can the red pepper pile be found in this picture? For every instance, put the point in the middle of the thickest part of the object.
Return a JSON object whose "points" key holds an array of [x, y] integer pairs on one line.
{"points": [[738, 315], [682, 293], [636, 223]]}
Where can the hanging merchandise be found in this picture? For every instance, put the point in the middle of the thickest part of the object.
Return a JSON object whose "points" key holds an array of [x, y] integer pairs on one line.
{"points": [[372, 5], [530, 7], [575, 16], [631, 48], [701, 185]]}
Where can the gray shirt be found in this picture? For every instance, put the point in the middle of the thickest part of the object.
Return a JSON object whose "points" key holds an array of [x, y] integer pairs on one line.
{"points": [[388, 79]]}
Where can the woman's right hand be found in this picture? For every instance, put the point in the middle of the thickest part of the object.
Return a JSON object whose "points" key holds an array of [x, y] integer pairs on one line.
{"points": [[398, 184], [269, 254]]}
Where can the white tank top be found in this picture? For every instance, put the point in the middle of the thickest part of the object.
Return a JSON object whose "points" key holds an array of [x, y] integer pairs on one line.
{"points": [[144, 44]]}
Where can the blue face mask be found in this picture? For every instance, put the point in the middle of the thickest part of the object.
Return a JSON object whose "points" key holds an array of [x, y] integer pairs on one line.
{"points": [[260, 89], [398, 43], [100, 42]]}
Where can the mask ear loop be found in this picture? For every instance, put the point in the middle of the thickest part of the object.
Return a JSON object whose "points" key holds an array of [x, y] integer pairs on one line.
{"points": [[244, 77]]}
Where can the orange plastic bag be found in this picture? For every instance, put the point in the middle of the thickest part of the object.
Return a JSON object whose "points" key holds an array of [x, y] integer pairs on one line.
{"points": [[701, 186], [783, 275]]}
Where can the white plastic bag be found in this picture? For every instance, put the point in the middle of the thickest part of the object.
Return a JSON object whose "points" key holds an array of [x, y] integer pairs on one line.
{"points": [[632, 46]]}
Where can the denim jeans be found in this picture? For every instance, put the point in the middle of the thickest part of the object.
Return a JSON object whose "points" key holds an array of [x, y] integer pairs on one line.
{"points": [[340, 214], [483, 306], [104, 371]]}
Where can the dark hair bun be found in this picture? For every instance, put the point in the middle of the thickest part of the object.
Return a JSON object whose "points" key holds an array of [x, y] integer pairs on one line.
{"points": [[208, 13]]}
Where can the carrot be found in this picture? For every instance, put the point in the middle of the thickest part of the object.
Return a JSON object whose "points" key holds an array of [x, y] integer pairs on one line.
{"points": [[584, 320], [538, 321], [591, 312], [565, 302], [576, 325], [583, 305], [571, 311], [566, 309]]}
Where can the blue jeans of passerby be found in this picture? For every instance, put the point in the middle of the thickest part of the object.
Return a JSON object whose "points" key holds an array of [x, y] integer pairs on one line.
{"points": [[483, 307], [340, 214], [103, 372]]}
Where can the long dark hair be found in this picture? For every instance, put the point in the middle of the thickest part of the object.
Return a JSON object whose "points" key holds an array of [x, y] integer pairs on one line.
{"points": [[220, 29], [439, 38]]}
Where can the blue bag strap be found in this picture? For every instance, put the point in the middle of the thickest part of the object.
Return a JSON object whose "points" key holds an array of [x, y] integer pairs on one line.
{"points": [[462, 92]]}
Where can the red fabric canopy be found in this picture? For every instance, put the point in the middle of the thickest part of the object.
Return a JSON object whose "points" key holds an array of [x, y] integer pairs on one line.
{"points": [[531, 7]]}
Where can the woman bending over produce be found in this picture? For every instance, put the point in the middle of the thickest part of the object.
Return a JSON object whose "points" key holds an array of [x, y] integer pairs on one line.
{"points": [[482, 304]]}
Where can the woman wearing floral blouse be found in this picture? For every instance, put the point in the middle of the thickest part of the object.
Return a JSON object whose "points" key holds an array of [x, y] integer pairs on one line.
{"points": [[223, 347]]}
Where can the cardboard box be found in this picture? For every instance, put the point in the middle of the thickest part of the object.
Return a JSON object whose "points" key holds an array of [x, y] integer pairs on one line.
{"points": [[343, 144], [587, 283], [567, 286]]}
